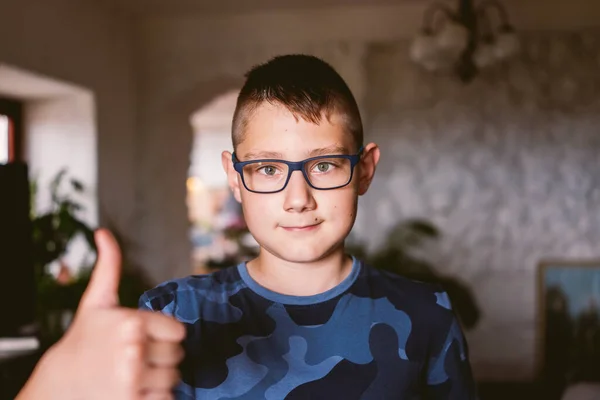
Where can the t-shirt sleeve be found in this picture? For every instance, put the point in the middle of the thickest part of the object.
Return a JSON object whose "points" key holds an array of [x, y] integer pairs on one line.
{"points": [[144, 303], [162, 298], [449, 375]]}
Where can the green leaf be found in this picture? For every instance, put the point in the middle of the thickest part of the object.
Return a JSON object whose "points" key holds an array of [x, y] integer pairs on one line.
{"points": [[77, 185]]}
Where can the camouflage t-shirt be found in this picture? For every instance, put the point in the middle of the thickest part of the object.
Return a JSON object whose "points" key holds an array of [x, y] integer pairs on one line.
{"points": [[374, 336]]}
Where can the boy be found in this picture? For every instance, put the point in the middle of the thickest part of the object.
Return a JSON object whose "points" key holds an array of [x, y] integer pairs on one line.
{"points": [[303, 319]]}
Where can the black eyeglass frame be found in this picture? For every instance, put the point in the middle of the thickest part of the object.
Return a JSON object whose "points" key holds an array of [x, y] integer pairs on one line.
{"points": [[297, 166]]}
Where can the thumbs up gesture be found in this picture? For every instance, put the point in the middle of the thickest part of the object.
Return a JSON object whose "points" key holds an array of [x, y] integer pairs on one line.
{"points": [[110, 352]]}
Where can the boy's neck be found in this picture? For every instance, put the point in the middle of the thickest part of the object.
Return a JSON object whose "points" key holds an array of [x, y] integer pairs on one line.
{"points": [[300, 279]]}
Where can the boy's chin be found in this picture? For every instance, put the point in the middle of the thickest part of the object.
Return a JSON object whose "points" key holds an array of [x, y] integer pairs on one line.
{"points": [[301, 255]]}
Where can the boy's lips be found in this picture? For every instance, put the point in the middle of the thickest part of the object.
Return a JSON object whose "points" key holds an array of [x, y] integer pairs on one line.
{"points": [[300, 228]]}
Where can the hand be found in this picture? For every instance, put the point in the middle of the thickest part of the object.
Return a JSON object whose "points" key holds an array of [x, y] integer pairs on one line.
{"points": [[110, 352]]}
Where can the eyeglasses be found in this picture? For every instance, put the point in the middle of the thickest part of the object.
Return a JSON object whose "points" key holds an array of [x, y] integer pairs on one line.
{"points": [[321, 173]]}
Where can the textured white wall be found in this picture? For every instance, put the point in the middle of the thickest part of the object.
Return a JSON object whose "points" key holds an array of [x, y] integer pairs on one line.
{"points": [[507, 167]]}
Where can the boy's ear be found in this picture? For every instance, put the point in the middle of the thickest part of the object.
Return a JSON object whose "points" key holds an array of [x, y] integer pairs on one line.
{"points": [[232, 176], [367, 166]]}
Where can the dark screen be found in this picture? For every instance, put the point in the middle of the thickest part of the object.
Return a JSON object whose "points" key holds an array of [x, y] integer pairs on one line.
{"points": [[17, 281]]}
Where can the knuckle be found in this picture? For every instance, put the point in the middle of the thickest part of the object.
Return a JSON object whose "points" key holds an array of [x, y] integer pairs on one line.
{"points": [[132, 326], [134, 353]]}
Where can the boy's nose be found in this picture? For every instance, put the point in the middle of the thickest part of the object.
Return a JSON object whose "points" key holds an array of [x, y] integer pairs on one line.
{"points": [[298, 194]]}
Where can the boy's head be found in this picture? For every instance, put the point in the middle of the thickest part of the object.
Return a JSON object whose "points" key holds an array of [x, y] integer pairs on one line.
{"points": [[306, 86], [291, 109]]}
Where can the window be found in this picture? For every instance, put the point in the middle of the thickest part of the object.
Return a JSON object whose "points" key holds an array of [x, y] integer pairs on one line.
{"points": [[10, 131], [5, 155]]}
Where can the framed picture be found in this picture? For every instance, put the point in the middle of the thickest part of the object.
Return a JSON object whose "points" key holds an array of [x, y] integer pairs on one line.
{"points": [[569, 322]]}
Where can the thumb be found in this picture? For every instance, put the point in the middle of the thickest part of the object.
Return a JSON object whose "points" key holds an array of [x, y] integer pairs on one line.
{"points": [[102, 291]]}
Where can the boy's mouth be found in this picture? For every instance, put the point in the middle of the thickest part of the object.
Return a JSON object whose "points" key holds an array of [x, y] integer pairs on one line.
{"points": [[301, 228]]}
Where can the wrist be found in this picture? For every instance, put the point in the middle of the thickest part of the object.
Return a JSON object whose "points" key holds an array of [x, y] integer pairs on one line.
{"points": [[45, 380]]}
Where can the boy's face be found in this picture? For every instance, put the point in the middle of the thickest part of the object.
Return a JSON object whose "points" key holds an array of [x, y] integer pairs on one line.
{"points": [[299, 224]]}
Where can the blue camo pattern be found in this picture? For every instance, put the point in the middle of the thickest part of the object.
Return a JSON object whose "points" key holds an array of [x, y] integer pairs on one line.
{"points": [[385, 337]]}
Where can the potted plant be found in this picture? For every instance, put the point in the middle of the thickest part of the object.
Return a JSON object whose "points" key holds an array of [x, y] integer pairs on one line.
{"points": [[58, 295]]}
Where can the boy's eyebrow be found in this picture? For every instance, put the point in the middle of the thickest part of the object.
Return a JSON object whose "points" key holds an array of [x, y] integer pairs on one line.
{"points": [[254, 155], [322, 151], [330, 150]]}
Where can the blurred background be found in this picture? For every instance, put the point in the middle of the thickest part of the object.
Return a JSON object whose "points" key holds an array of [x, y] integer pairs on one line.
{"points": [[115, 113]]}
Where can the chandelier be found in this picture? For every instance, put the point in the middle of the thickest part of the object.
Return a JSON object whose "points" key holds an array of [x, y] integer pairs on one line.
{"points": [[464, 40]]}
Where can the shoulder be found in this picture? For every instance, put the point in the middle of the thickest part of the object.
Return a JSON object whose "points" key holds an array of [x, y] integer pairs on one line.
{"points": [[426, 304], [404, 289], [424, 309], [194, 287]]}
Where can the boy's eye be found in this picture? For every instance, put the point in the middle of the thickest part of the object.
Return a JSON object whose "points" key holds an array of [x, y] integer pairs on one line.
{"points": [[268, 170], [323, 167]]}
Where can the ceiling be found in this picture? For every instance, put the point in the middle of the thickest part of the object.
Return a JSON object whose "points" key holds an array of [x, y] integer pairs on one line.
{"points": [[530, 14], [237, 6]]}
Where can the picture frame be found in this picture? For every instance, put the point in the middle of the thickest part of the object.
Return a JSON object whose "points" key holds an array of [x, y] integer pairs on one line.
{"points": [[568, 332]]}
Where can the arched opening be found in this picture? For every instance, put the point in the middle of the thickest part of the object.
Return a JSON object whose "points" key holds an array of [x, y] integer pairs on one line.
{"points": [[165, 248], [217, 229]]}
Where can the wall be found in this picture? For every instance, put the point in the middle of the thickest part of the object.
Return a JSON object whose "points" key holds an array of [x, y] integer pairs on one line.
{"points": [[507, 167], [61, 134], [82, 43], [479, 160]]}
